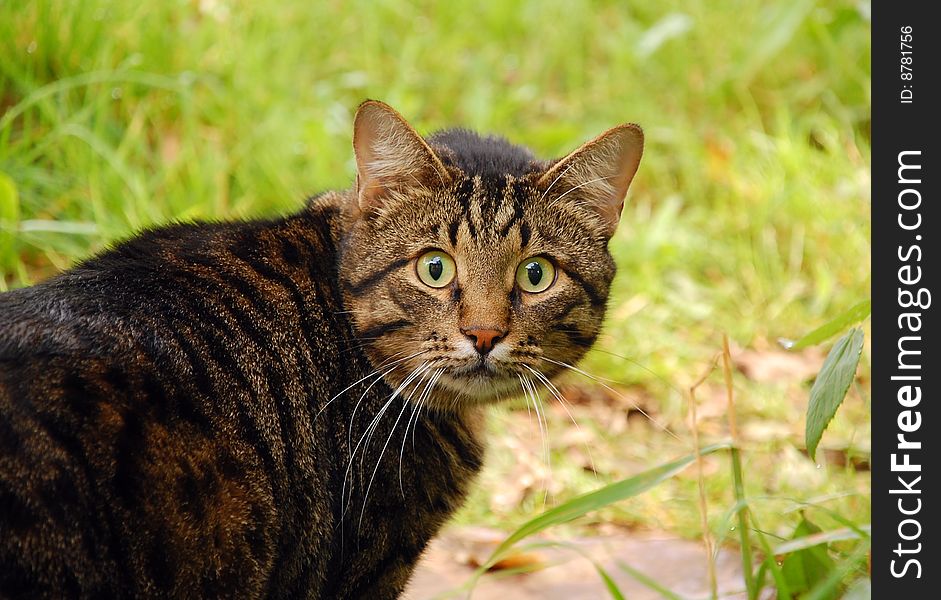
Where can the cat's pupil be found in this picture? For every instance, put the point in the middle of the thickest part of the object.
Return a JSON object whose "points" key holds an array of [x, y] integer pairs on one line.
{"points": [[435, 268], [534, 272]]}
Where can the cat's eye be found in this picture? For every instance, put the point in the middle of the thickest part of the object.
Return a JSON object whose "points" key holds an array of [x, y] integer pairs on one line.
{"points": [[535, 275], [435, 268]]}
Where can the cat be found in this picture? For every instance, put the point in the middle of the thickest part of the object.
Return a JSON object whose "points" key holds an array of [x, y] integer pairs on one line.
{"points": [[293, 407]]}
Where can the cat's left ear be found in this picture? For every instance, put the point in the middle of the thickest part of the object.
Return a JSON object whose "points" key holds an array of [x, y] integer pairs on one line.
{"points": [[391, 157], [599, 172]]}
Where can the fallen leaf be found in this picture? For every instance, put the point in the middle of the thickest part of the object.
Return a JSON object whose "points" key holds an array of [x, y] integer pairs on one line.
{"points": [[772, 366]]}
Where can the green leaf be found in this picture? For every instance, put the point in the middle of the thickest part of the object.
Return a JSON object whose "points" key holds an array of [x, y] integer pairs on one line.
{"points": [[828, 330], [806, 568], [830, 586], [831, 385], [597, 499]]}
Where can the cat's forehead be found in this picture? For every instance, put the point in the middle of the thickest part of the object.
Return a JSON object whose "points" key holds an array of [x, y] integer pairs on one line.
{"points": [[489, 218], [485, 211]]}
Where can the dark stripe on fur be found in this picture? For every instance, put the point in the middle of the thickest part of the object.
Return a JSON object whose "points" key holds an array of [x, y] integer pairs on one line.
{"points": [[374, 278], [593, 295], [576, 336], [377, 331]]}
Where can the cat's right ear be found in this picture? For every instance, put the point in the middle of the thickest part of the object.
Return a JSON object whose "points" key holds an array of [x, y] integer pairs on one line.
{"points": [[391, 157]]}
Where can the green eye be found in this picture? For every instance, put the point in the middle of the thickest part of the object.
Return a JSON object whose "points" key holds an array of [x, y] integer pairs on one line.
{"points": [[535, 275], [435, 268]]}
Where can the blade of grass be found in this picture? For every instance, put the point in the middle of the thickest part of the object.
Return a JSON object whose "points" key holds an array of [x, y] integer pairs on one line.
{"points": [[780, 582], [861, 531], [738, 477], [738, 484], [854, 315], [606, 578], [87, 79], [648, 581], [701, 483], [592, 501], [823, 537]]}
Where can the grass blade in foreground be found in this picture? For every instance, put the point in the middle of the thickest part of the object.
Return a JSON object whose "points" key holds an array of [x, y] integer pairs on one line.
{"points": [[822, 537], [595, 500], [830, 387], [606, 578], [648, 581], [828, 330]]}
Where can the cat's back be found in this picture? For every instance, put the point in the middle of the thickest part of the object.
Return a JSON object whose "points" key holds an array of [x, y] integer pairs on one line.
{"points": [[146, 400], [182, 272]]}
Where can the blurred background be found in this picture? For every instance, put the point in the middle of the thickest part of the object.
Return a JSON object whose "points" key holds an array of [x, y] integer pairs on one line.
{"points": [[749, 216]]}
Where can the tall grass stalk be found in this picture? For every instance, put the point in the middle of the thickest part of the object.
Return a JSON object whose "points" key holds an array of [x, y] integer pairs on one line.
{"points": [[708, 541]]}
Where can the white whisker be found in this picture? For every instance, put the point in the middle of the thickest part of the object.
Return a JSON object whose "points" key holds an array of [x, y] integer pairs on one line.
{"points": [[530, 393], [414, 418], [544, 431], [367, 435], [423, 403], [547, 383], [405, 402], [362, 379], [633, 404]]}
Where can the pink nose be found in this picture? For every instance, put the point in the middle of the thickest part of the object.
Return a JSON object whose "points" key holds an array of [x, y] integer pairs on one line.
{"points": [[484, 338]]}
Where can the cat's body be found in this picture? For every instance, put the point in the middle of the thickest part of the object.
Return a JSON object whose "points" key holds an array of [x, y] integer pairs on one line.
{"points": [[162, 426], [229, 410]]}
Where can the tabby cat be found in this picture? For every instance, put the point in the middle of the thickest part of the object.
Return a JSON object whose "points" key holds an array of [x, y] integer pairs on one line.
{"points": [[293, 407]]}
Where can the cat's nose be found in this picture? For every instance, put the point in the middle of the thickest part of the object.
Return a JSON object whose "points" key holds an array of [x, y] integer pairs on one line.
{"points": [[484, 338]]}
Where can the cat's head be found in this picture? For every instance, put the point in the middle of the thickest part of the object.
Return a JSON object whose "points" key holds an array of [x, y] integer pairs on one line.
{"points": [[468, 265]]}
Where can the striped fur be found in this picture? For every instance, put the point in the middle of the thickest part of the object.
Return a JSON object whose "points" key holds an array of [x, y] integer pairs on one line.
{"points": [[220, 410]]}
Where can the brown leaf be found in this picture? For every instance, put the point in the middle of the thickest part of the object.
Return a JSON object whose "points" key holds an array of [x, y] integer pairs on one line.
{"points": [[772, 366]]}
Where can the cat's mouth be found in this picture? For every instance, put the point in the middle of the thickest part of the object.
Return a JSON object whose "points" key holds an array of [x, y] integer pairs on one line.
{"points": [[482, 379], [479, 368], [451, 375]]}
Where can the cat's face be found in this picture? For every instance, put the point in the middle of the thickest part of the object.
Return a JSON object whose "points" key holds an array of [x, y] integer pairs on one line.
{"points": [[470, 267]]}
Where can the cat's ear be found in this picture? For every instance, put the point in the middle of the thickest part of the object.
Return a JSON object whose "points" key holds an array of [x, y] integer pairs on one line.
{"points": [[599, 172], [391, 158]]}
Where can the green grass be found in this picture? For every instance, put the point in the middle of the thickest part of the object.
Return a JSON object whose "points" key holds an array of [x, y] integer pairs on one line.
{"points": [[749, 215]]}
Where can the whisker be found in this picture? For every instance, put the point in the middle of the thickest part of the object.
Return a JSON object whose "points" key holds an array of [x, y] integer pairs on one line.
{"points": [[633, 404], [547, 383], [633, 361], [349, 430], [429, 385], [362, 379], [544, 432], [344, 500], [423, 403], [405, 402], [397, 393], [636, 363], [379, 460], [368, 434], [529, 393]]}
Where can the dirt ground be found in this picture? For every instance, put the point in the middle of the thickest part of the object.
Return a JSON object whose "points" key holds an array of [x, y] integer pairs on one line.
{"points": [[566, 574]]}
